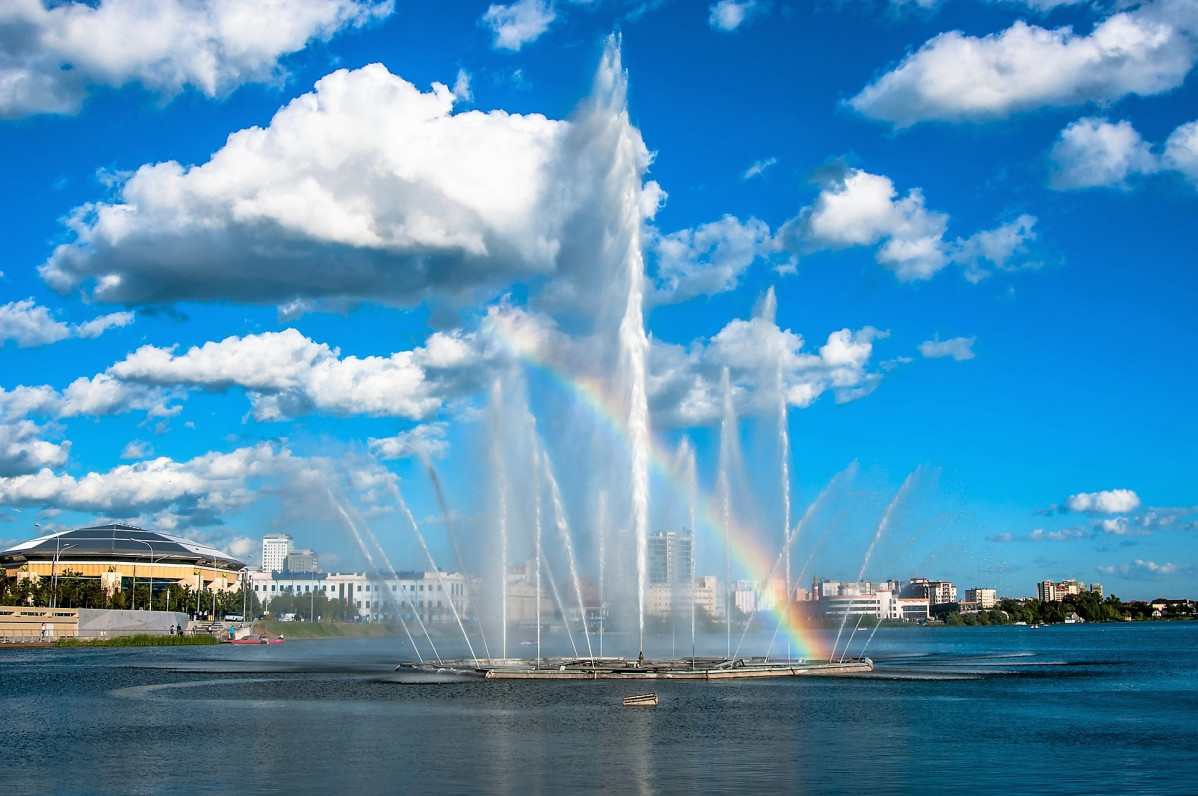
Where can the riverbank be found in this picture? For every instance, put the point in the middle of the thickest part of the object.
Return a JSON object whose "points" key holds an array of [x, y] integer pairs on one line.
{"points": [[137, 641], [318, 630]]}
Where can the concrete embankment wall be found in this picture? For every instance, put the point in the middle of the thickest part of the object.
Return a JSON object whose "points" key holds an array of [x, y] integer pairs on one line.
{"points": [[28, 624], [102, 623]]}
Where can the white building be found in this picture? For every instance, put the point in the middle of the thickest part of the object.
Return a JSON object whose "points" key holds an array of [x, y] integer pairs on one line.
{"points": [[275, 549], [879, 605], [376, 599], [985, 598], [709, 596]]}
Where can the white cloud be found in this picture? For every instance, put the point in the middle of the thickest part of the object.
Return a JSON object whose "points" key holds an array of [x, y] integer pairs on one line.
{"points": [[728, 15], [1141, 570], [22, 449], [286, 374], [684, 382], [427, 439], [995, 248], [243, 546], [707, 260], [367, 189], [1095, 152], [51, 57], [1181, 151], [203, 491], [461, 87], [31, 324], [213, 479], [98, 395], [519, 23], [1112, 501], [958, 348], [137, 449], [758, 168], [856, 208], [1062, 535], [1044, 6], [97, 326], [953, 77]]}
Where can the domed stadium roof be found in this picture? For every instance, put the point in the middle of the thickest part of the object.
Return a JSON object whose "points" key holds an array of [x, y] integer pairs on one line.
{"points": [[118, 542]]}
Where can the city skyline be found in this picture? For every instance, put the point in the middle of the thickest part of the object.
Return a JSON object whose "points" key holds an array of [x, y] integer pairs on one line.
{"points": [[258, 267]]}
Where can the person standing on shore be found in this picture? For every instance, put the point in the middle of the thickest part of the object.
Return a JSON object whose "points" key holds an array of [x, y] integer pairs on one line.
{"points": [[43, 631]]}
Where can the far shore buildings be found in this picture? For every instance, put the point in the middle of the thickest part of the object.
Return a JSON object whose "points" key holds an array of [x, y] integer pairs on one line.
{"points": [[118, 556], [431, 595], [1055, 592]]}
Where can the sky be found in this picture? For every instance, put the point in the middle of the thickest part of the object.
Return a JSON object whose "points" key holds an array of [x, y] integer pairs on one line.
{"points": [[263, 262]]}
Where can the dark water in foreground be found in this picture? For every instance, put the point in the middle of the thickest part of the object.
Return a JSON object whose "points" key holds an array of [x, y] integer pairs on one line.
{"points": [[1080, 709]]}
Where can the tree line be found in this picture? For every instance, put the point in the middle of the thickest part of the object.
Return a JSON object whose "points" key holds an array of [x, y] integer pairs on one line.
{"points": [[1089, 606], [72, 590]]}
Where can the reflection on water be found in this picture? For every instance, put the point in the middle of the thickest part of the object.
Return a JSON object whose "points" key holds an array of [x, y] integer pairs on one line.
{"points": [[996, 709]]}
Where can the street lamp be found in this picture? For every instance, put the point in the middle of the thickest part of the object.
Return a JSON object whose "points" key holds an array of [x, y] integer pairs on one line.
{"points": [[54, 571], [152, 559]]}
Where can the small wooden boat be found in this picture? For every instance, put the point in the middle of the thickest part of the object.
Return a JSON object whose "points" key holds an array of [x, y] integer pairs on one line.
{"points": [[641, 700]]}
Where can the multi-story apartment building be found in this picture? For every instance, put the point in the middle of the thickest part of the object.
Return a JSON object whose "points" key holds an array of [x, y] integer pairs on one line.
{"points": [[432, 595], [984, 598], [275, 549]]}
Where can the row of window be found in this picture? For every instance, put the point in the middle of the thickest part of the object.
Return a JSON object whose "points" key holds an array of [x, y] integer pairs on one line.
{"points": [[275, 588]]}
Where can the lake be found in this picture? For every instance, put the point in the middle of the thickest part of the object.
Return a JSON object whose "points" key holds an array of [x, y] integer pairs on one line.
{"points": [[1083, 708]]}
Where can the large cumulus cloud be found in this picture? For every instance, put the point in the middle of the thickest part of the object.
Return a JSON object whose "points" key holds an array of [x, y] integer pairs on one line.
{"points": [[366, 188], [954, 77], [53, 54]]}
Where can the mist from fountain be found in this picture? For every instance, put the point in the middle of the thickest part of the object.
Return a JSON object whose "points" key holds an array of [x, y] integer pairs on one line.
{"points": [[602, 534], [403, 506], [457, 551], [690, 480], [883, 524], [563, 531], [830, 488], [729, 460], [353, 529]]}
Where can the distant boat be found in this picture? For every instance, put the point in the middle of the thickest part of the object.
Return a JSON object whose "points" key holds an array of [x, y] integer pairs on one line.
{"points": [[258, 640]]}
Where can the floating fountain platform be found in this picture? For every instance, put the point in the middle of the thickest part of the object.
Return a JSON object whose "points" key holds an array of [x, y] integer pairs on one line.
{"points": [[622, 669]]}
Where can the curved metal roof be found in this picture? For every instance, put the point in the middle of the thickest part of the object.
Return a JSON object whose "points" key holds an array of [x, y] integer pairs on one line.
{"points": [[116, 541]]}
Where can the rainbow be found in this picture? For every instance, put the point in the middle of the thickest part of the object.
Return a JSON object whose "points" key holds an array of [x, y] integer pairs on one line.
{"points": [[750, 557]]}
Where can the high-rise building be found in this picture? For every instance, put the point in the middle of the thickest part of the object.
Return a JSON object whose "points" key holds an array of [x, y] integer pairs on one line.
{"points": [[301, 561], [985, 598], [671, 558], [275, 549]]}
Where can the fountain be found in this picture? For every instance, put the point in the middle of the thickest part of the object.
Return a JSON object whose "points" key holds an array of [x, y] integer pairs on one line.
{"points": [[617, 469]]}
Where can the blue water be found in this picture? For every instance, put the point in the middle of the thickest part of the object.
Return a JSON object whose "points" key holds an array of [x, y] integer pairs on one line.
{"points": [[1073, 709]]}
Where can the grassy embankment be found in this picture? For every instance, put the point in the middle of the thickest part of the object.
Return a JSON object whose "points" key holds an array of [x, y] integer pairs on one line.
{"points": [[305, 630], [138, 641]]}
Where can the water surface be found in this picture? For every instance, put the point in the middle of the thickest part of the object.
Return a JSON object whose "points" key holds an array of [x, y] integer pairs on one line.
{"points": [[1090, 708]]}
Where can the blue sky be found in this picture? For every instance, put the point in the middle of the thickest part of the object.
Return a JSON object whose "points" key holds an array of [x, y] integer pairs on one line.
{"points": [[256, 257]]}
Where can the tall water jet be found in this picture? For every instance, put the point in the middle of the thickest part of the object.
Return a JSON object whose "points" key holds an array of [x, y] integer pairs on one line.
{"points": [[395, 493], [563, 531], [634, 345], [602, 534], [453, 539], [536, 491], [883, 524], [784, 457], [729, 457], [353, 528], [690, 481], [617, 159]]}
